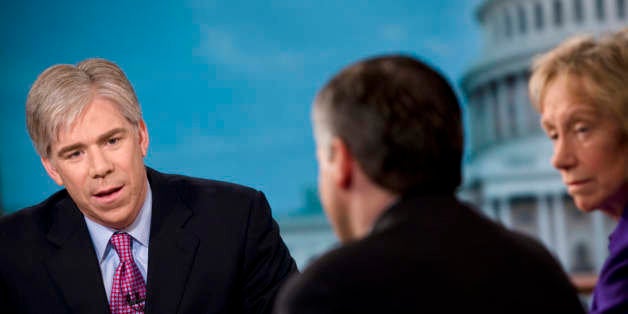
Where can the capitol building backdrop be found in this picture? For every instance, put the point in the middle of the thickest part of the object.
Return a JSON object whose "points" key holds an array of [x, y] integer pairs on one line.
{"points": [[507, 172]]}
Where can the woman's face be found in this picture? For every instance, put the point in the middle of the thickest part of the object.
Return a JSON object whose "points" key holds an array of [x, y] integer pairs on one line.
{"points": [[589, 149]]}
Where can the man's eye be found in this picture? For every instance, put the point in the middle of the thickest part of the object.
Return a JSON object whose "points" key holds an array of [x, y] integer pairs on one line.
{"points": [[73, 155], [113, 140], [552, 135]]}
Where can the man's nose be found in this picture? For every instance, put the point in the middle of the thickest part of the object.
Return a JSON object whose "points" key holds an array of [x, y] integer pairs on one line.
{"points": [[100, 164]]}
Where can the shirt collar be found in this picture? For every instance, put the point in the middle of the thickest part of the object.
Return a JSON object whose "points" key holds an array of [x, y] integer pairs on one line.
{"points": [[139, 229]]}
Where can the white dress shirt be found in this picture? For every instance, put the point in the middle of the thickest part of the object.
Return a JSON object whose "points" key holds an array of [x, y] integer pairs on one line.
{"points": [[139, 231]]}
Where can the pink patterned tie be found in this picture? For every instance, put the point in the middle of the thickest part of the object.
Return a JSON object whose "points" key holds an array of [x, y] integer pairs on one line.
{"points": [[128, 292]]}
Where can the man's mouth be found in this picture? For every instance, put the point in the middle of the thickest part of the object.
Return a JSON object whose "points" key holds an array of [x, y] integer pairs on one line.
{"points": [[107, 192]]}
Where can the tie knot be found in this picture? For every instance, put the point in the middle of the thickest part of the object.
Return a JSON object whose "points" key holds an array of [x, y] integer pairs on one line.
{"points": [[121, 242]]}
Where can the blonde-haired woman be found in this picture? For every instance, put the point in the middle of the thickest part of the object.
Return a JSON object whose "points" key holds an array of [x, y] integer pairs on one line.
{"points": [[580, 89]]}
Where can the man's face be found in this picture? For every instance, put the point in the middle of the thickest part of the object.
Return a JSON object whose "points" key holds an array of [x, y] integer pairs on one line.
{"points": [[99, 160]]}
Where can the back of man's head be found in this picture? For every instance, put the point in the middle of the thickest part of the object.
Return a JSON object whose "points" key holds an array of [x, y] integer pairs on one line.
{"points": [[399, 118]]}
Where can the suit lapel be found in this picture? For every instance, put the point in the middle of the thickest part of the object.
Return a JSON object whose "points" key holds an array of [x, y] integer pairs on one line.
{"points": [[171, 250], [72, 263]]}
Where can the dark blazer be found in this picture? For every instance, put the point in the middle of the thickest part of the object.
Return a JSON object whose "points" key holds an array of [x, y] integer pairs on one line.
{"points": [[214, 248], [433, 255]]}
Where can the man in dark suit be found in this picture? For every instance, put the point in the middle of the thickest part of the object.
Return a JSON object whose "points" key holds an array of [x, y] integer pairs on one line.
{"points": [[121, 237], [389, 144]]}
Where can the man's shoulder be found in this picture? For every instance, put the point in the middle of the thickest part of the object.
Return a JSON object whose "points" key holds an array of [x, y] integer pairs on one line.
{"points": [[196, 185], [32, 220], [34, 212], [322, 282], [207, 198], [518, 245], [530, 254], [361, 260], [493, 235], [360, 276]]}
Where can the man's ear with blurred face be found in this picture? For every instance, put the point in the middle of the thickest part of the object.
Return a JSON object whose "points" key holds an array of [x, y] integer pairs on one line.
{"points": [[341, 163], [51, 170], [142, 134]]}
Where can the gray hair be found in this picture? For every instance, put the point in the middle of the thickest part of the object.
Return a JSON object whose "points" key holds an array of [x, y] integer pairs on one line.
{"points": [[62, 92], [399, 117]]}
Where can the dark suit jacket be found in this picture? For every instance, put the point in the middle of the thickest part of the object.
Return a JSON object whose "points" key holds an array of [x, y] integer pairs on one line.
{"points": [[214, 248], [433, 255]]}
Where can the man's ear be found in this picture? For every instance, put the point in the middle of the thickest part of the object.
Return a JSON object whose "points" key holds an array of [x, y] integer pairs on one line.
{"points": [[51, 170], [142, 137], [342, 163]]}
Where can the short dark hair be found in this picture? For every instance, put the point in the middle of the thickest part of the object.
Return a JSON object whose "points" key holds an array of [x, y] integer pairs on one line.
{"points": [[400, 119]]}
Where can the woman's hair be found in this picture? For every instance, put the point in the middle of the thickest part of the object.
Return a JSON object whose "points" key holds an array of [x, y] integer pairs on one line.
{"points": [[601, 64]]}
